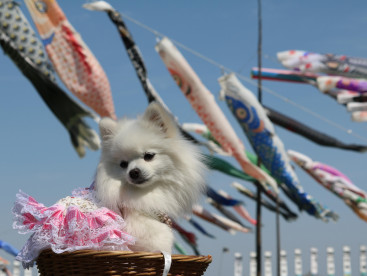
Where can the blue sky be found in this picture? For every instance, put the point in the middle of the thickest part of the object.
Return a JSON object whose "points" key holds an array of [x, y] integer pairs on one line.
{"points": [[37, 157]]}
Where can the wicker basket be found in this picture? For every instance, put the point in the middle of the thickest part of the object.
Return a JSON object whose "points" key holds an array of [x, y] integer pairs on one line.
{"points": [[91, 262]]}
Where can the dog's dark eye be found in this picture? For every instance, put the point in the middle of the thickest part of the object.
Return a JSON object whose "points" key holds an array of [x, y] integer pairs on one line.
{"points": [[148, 156], [124, 164]]}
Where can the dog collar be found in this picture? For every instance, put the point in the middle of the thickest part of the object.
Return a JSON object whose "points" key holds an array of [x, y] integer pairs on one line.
{"points": [[159, 216], [164, 218]]}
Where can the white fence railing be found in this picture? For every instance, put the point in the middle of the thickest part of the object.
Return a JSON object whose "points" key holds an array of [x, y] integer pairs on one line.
{"points": [[299, 269]]}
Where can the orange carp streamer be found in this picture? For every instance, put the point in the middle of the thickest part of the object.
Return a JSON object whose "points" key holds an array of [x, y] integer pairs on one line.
{"points": [[73, 61]]}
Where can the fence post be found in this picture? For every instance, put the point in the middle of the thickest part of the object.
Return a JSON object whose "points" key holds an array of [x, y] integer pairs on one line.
{"points": [[330, 263], [283, 263], [347, 268], [313, 261], [298, 262], [16, 268], [363, 260], [28, 272], [253, 265], [238, 265], [267, 264]]}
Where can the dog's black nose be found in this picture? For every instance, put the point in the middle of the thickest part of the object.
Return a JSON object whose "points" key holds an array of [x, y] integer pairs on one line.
{"points": [[135, 174]]}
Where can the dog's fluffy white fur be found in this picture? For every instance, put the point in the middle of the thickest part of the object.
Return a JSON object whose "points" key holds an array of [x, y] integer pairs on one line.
{"points": [[147, 168]]}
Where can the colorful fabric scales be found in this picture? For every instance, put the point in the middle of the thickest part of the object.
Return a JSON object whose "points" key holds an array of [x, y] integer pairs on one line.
{"points": [[223, 166], [325, 63], [74, 62], [16, 26], [267, 145], [205, 106], [131, 48], [334, 181], [326, 83], [284, 75], [21, 44]]}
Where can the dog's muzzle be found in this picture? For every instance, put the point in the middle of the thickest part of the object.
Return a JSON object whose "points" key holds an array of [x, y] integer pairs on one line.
{"points": [[136, 176]]}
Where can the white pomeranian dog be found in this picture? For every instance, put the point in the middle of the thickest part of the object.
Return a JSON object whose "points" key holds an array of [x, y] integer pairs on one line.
{"points": [[148, 171]]}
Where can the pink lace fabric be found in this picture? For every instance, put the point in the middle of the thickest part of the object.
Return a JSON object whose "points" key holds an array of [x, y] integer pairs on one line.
{"points": [[75, 222]]}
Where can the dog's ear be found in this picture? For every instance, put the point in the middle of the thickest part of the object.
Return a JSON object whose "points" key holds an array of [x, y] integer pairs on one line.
{"points": [[107, 128], [157, 115]]}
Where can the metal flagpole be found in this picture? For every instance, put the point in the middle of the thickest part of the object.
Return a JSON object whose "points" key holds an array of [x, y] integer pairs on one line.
{"points": [[258, 207], [278, 236], [258, 201]]}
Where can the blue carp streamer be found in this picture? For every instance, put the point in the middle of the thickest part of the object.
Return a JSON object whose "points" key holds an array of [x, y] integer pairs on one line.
{"points": [[267, 145]]}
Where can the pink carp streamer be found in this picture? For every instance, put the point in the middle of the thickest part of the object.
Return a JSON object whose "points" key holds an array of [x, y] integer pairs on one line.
{"points": [[222, 222], [301, 60], [73, 61], [351, 92], [326, 83], [203, 130], [204, 104], [330, 64], [242, 211], [189, 237], [335, 181], [359, 116], [284, 75]]}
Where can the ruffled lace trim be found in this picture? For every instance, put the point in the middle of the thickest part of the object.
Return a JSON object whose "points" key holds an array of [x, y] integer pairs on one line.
{"points": [[73, 223]]}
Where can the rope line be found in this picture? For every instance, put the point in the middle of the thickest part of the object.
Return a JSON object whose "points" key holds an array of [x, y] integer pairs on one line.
{"points": [[246, 79]]}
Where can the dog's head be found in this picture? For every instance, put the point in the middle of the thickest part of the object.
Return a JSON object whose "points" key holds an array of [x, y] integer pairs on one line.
{"points": [[146, 163]]}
